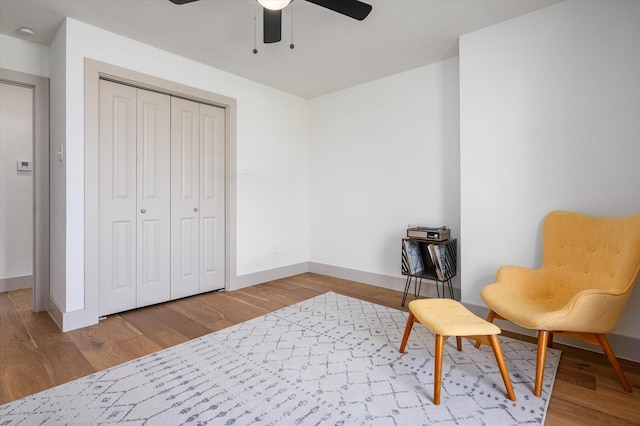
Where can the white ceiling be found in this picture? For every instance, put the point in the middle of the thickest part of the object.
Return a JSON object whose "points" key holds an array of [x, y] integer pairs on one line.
{"points": [[332, 52]]}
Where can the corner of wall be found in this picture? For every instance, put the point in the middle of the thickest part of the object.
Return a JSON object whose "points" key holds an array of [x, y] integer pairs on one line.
{"points": [[57, 169]]}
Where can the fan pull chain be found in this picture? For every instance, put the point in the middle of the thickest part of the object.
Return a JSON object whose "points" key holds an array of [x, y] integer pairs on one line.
{"points": [[291, 45], [255, 31]]}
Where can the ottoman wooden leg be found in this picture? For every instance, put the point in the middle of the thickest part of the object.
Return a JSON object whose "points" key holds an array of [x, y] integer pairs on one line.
{"points": [[407, 331], [438, 315], [495, 344], [437, 380]]}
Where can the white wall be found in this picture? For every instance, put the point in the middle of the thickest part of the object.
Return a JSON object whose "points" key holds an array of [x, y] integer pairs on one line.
{"points": [[271, 147], [24, 56], [550, 119], [383, 155], [272, 180], [16, 187], [414, 139]]}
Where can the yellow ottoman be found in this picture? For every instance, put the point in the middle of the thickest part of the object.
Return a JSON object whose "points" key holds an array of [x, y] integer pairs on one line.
{"points": [[446, 317]]}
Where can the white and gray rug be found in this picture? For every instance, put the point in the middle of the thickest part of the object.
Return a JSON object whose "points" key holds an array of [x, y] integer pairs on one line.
{"points": [[330, 360]]}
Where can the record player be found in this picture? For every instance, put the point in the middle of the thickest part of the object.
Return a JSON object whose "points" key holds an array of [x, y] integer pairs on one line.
{"points": [[429, 233]]}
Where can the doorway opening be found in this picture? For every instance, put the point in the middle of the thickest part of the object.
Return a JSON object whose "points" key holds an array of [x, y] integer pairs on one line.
{"points": [[24, 185]]}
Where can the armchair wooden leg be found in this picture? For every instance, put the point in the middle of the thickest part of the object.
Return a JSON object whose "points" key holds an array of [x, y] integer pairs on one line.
{"points": [[490, 318], [407, 331], [614, 361], [543, 341]]}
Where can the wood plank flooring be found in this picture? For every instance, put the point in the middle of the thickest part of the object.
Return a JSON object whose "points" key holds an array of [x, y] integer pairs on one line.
{"points": [[35, 355]]}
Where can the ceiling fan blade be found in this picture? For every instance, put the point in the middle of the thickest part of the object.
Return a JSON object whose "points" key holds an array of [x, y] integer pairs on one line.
{"points": [[272, 25], [181, 1], [352, 8]]}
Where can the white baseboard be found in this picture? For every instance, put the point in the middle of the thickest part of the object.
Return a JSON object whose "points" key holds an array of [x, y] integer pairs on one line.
{"points": [[55, 312], [68, 321], [625, 347], [16, 283], [248, 280], [427, 289], [80, 318]]}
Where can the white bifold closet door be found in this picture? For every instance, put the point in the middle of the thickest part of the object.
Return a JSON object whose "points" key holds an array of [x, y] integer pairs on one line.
{"points": [[197, 197], [135, 197]]}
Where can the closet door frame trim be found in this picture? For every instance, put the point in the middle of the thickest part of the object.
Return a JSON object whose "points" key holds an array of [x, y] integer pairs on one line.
{"points": [[94, 72]]}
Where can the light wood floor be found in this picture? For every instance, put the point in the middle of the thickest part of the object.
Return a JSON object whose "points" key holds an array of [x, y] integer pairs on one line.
{"points": [[35, 355]]}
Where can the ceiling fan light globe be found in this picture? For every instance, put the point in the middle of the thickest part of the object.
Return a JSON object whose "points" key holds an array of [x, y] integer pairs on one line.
{"points": [[274, 4]]}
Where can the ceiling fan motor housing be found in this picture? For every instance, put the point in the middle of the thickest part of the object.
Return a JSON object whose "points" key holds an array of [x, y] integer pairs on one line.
{"points": [[272, 14]]}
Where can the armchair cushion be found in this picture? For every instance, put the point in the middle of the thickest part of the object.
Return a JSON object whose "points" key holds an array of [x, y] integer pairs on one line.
{"points": [[588, 270]]}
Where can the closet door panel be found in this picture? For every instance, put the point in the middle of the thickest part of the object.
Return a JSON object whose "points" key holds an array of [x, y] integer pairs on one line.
{"points": [[212, 197], [185, 194], [153, 197], [117, 198]]}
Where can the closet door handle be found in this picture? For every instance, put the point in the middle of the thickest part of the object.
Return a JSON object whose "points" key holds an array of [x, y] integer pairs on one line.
{"points": [[143, 211], [195, 209]]}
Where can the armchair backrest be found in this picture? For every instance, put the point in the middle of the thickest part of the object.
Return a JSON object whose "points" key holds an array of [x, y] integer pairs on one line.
{"points": [[586, 252]]}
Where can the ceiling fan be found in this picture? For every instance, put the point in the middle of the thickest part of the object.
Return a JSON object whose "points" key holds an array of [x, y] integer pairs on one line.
{"points": [[272, 16]]}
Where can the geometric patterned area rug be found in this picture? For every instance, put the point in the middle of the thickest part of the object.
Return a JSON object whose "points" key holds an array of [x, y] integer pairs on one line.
{"points": [[330, 360]]}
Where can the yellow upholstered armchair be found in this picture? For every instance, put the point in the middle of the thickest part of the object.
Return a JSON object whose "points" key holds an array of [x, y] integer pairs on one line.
{"points": [[589, 267]]}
